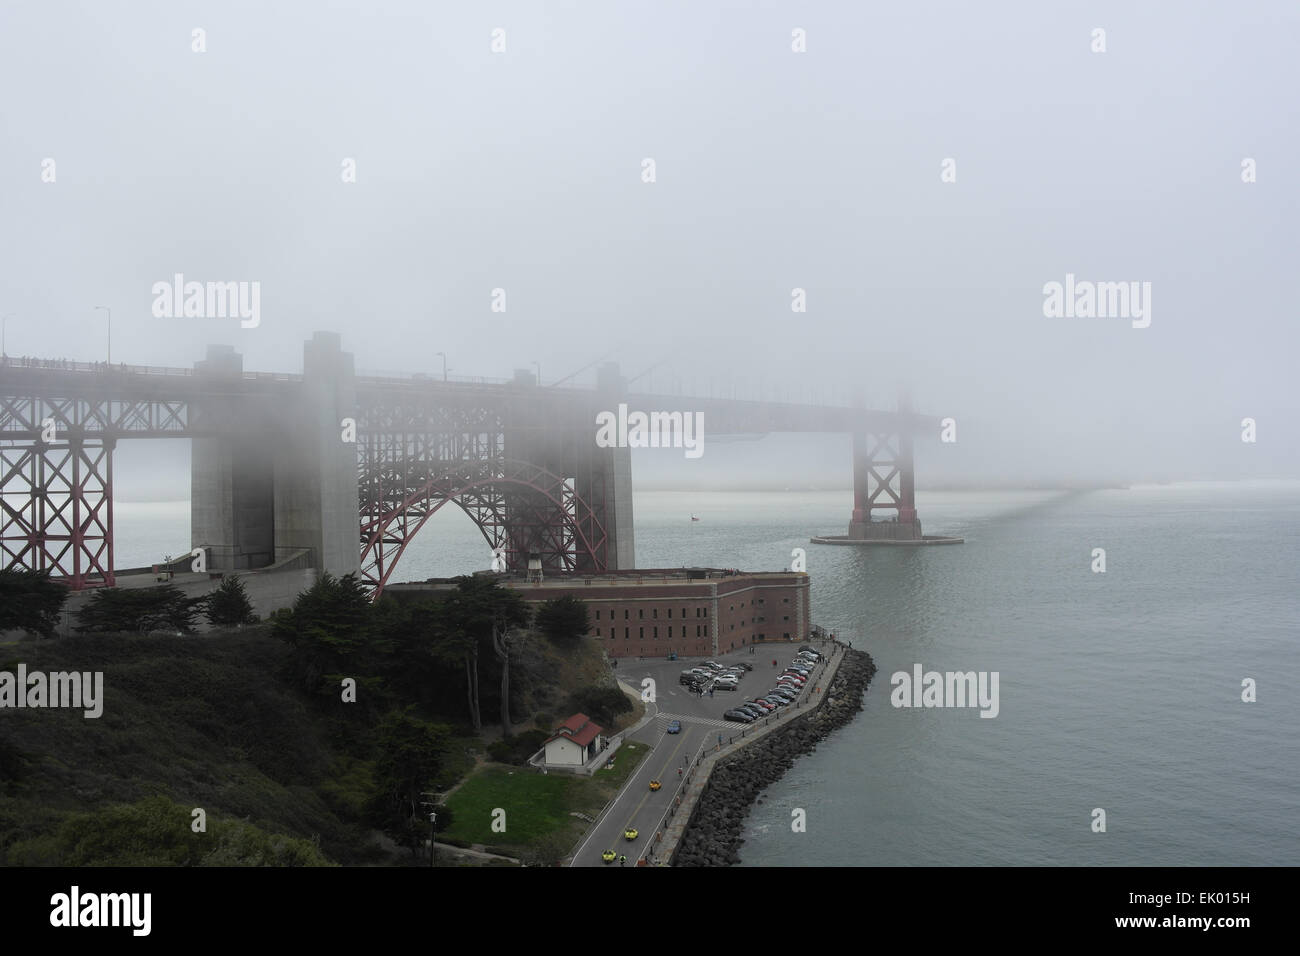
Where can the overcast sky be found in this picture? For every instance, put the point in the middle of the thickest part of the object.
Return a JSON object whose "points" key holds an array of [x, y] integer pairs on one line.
{"points": [[774, 170]]}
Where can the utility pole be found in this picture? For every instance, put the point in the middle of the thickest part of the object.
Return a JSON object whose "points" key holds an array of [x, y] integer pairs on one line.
{"points": [[444, 365]]}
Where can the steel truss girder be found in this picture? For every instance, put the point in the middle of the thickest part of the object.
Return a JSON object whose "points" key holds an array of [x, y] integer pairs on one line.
{"points": [[25, 417]]}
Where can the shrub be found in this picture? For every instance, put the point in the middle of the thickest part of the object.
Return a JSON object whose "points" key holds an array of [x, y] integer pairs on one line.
{"points": [[601, 704], [30, 601], [118, 610], [228, 605], [517, 749], [157, 831]]}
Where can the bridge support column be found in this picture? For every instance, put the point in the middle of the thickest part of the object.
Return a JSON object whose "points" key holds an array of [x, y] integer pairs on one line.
{"points": [[608, 487], [616, 474], [56, 509], [231, 479], [316, 492]]}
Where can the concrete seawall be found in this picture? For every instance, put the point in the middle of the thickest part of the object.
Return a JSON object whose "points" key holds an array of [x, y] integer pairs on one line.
{"points": [[729, 782]]}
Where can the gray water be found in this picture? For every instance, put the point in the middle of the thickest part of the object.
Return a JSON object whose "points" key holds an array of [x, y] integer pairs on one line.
{"points": [[1118, 690]]}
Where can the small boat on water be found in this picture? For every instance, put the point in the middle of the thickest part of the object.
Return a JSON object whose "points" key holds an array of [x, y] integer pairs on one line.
{"points": [[693, 518]]}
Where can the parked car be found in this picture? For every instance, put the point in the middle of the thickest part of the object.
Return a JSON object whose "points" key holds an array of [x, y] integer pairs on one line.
{"points": [[762, 703], [745, 666], [738, 716], [783, 690], [730, 685], [753, 710], [713, 665]]}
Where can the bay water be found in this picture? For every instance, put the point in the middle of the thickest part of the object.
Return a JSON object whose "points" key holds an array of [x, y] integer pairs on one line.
{"points": [[1119, 690]]}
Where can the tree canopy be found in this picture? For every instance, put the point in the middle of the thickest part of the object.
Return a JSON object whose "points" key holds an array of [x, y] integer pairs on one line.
{"points": [[563, 620], [123, 610], [30, 601], [228, 605]]}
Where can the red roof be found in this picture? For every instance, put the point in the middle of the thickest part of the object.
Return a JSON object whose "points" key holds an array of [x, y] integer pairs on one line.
{"points": [[579, 728], [574, 723]]}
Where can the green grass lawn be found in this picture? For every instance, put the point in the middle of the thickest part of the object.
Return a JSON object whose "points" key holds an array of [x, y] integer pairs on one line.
{"points": [[538, 807]]}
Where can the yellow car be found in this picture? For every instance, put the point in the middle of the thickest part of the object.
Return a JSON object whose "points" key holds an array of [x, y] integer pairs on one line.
{"points": [[630, 833], [655, 784], [609, 856]]}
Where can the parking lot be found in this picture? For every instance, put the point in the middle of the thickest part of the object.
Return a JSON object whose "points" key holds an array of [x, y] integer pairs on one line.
{"points": [[701, 725], [744, 688]]}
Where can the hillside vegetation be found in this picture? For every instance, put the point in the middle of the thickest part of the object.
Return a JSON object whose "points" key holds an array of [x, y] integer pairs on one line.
{"points": [[257, 728]]}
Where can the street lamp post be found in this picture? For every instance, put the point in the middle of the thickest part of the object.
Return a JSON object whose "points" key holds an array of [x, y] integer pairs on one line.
{"points": [[110, 331]]}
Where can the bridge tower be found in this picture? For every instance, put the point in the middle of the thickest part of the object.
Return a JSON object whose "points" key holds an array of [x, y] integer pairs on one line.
{"points": [[277, 476], [597, 497], [884, 482]]}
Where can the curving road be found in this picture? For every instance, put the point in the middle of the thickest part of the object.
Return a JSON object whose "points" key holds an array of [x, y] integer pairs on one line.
{"points": [[701, 718]]}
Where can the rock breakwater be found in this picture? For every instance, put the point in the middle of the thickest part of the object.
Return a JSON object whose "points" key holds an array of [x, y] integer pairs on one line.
{"points": [[713, 836]]}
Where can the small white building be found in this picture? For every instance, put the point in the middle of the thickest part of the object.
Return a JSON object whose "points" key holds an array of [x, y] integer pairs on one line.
{"points": [[576, 741]]}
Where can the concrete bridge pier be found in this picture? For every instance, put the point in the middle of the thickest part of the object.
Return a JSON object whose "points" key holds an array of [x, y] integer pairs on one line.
{"points": [[611, 476], [316, 493], [270, 476], [231, 477]]}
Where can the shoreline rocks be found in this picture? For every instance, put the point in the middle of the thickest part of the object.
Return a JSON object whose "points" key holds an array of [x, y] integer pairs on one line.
{"points": [[712, 838]]}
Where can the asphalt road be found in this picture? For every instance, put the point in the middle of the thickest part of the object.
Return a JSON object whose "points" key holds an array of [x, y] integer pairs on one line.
{"points": [[701, 718]]}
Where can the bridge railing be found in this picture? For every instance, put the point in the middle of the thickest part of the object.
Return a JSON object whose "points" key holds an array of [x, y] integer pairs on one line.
{"points": [[121, 368], [409, 378]]}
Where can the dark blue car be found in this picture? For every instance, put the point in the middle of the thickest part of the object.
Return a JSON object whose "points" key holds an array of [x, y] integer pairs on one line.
{"points": [[674, 726]]}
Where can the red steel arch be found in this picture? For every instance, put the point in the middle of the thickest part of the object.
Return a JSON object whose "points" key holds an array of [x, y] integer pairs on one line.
{"points": [[519, 507]]}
